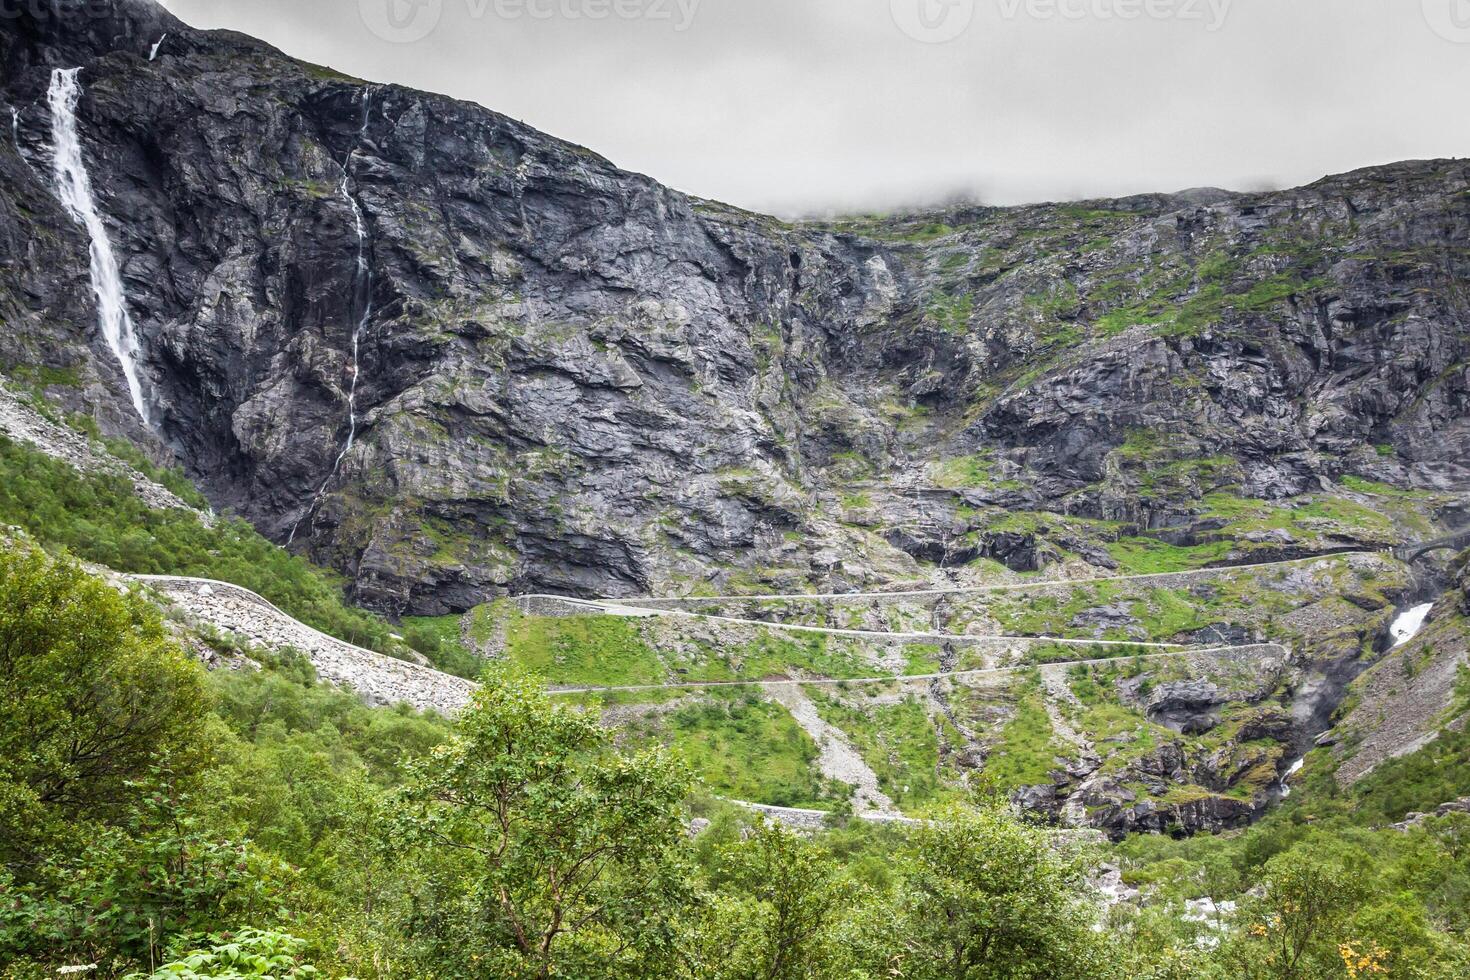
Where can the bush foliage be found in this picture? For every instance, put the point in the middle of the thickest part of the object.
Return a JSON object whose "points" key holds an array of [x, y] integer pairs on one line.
{"points": [[257, 824]]}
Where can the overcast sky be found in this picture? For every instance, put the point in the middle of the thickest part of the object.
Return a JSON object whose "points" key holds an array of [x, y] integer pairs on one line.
{"points": [[804, 106]]}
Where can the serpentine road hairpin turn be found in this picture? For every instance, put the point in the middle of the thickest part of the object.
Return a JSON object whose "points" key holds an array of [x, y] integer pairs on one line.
{"points": [[384, 680]]}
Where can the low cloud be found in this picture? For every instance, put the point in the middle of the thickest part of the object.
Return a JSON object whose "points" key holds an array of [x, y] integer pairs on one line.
{"points": [[803, 106]]}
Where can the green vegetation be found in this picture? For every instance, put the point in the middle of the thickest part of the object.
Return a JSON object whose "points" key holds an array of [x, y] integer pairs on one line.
{"points": [[994, 897], [1438, 774], [1021, 614], [1027, 752], [1325, 889], [94, 694], [1359, 485], [171, 479], [37, 378], [1170, 612], [1149, 556], [898, 742], [745, 747], [613, 651], [1179, 301], [98, 517], [530, 802], [977, 471], [248, 953], [1313, 517], [255, 824], [596, 651], [438, 639], [922, 658], [952, 312]]}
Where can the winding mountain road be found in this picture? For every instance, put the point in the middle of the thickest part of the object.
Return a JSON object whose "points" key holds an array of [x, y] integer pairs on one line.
{"points": [[383, 679]]}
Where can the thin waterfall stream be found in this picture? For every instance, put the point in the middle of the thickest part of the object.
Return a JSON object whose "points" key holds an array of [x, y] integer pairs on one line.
{"points": [[74, 188], [362, 292]]}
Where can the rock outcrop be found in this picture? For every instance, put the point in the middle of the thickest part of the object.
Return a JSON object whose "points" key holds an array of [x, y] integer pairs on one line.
{"points": [[572, 379]]}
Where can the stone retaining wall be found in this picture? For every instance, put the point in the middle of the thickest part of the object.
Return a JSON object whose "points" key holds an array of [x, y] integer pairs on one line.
{"points": [[380, 680]]}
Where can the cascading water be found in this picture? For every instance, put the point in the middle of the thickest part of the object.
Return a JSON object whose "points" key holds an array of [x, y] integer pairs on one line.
{"points": [[1405, 627], [74, 188], [1409, 623], [362, 293], [156, 45], [1294, 768]]}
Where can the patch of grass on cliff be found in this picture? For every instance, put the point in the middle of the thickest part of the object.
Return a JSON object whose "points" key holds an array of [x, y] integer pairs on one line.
{"points": [[98, 518], [1020, 614], [1166, 613], [922, 658], [777, 654], [1066, 653], [897, 741], [746, 748], [952, 313], [1118, 730], [439, 639], [39, 377], [1148, 556], [597, 651], [1303, 517], [1375, 489], [971, 472], [1027, 750]]}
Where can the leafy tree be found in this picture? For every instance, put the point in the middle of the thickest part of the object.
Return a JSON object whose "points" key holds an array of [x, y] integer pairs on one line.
{"points": [[983, 895], [548, 851], [774, 920], [96, 698], [1299, 926], [161, 871]]}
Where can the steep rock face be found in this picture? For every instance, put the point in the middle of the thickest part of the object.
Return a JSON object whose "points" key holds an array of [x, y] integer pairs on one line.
{"points": [[1412, 693], [570, 378]]}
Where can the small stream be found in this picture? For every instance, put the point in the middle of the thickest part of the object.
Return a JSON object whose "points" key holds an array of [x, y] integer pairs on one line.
{"points": [[1404, 628]]}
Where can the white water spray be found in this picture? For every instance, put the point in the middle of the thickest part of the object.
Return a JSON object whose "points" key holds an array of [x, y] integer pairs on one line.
{"points": [[156, 45], [15, 128], [363, 292], [1295, 768], [74, 188], [1408, 625]]}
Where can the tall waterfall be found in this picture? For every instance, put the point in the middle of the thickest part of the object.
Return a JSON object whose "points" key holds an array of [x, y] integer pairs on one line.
{"points": [[74, 188], [362, 293], [156, 45]]}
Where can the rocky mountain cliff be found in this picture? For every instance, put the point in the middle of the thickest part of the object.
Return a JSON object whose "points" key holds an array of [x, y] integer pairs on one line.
{"points": [[454, 357]]}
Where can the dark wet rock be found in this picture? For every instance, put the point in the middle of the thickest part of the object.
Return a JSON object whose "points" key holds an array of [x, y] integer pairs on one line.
{"points": [[1042, 800], [1104, 621], [574, 379], [1189, 707], [1268, 723], [1118, 815]]}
